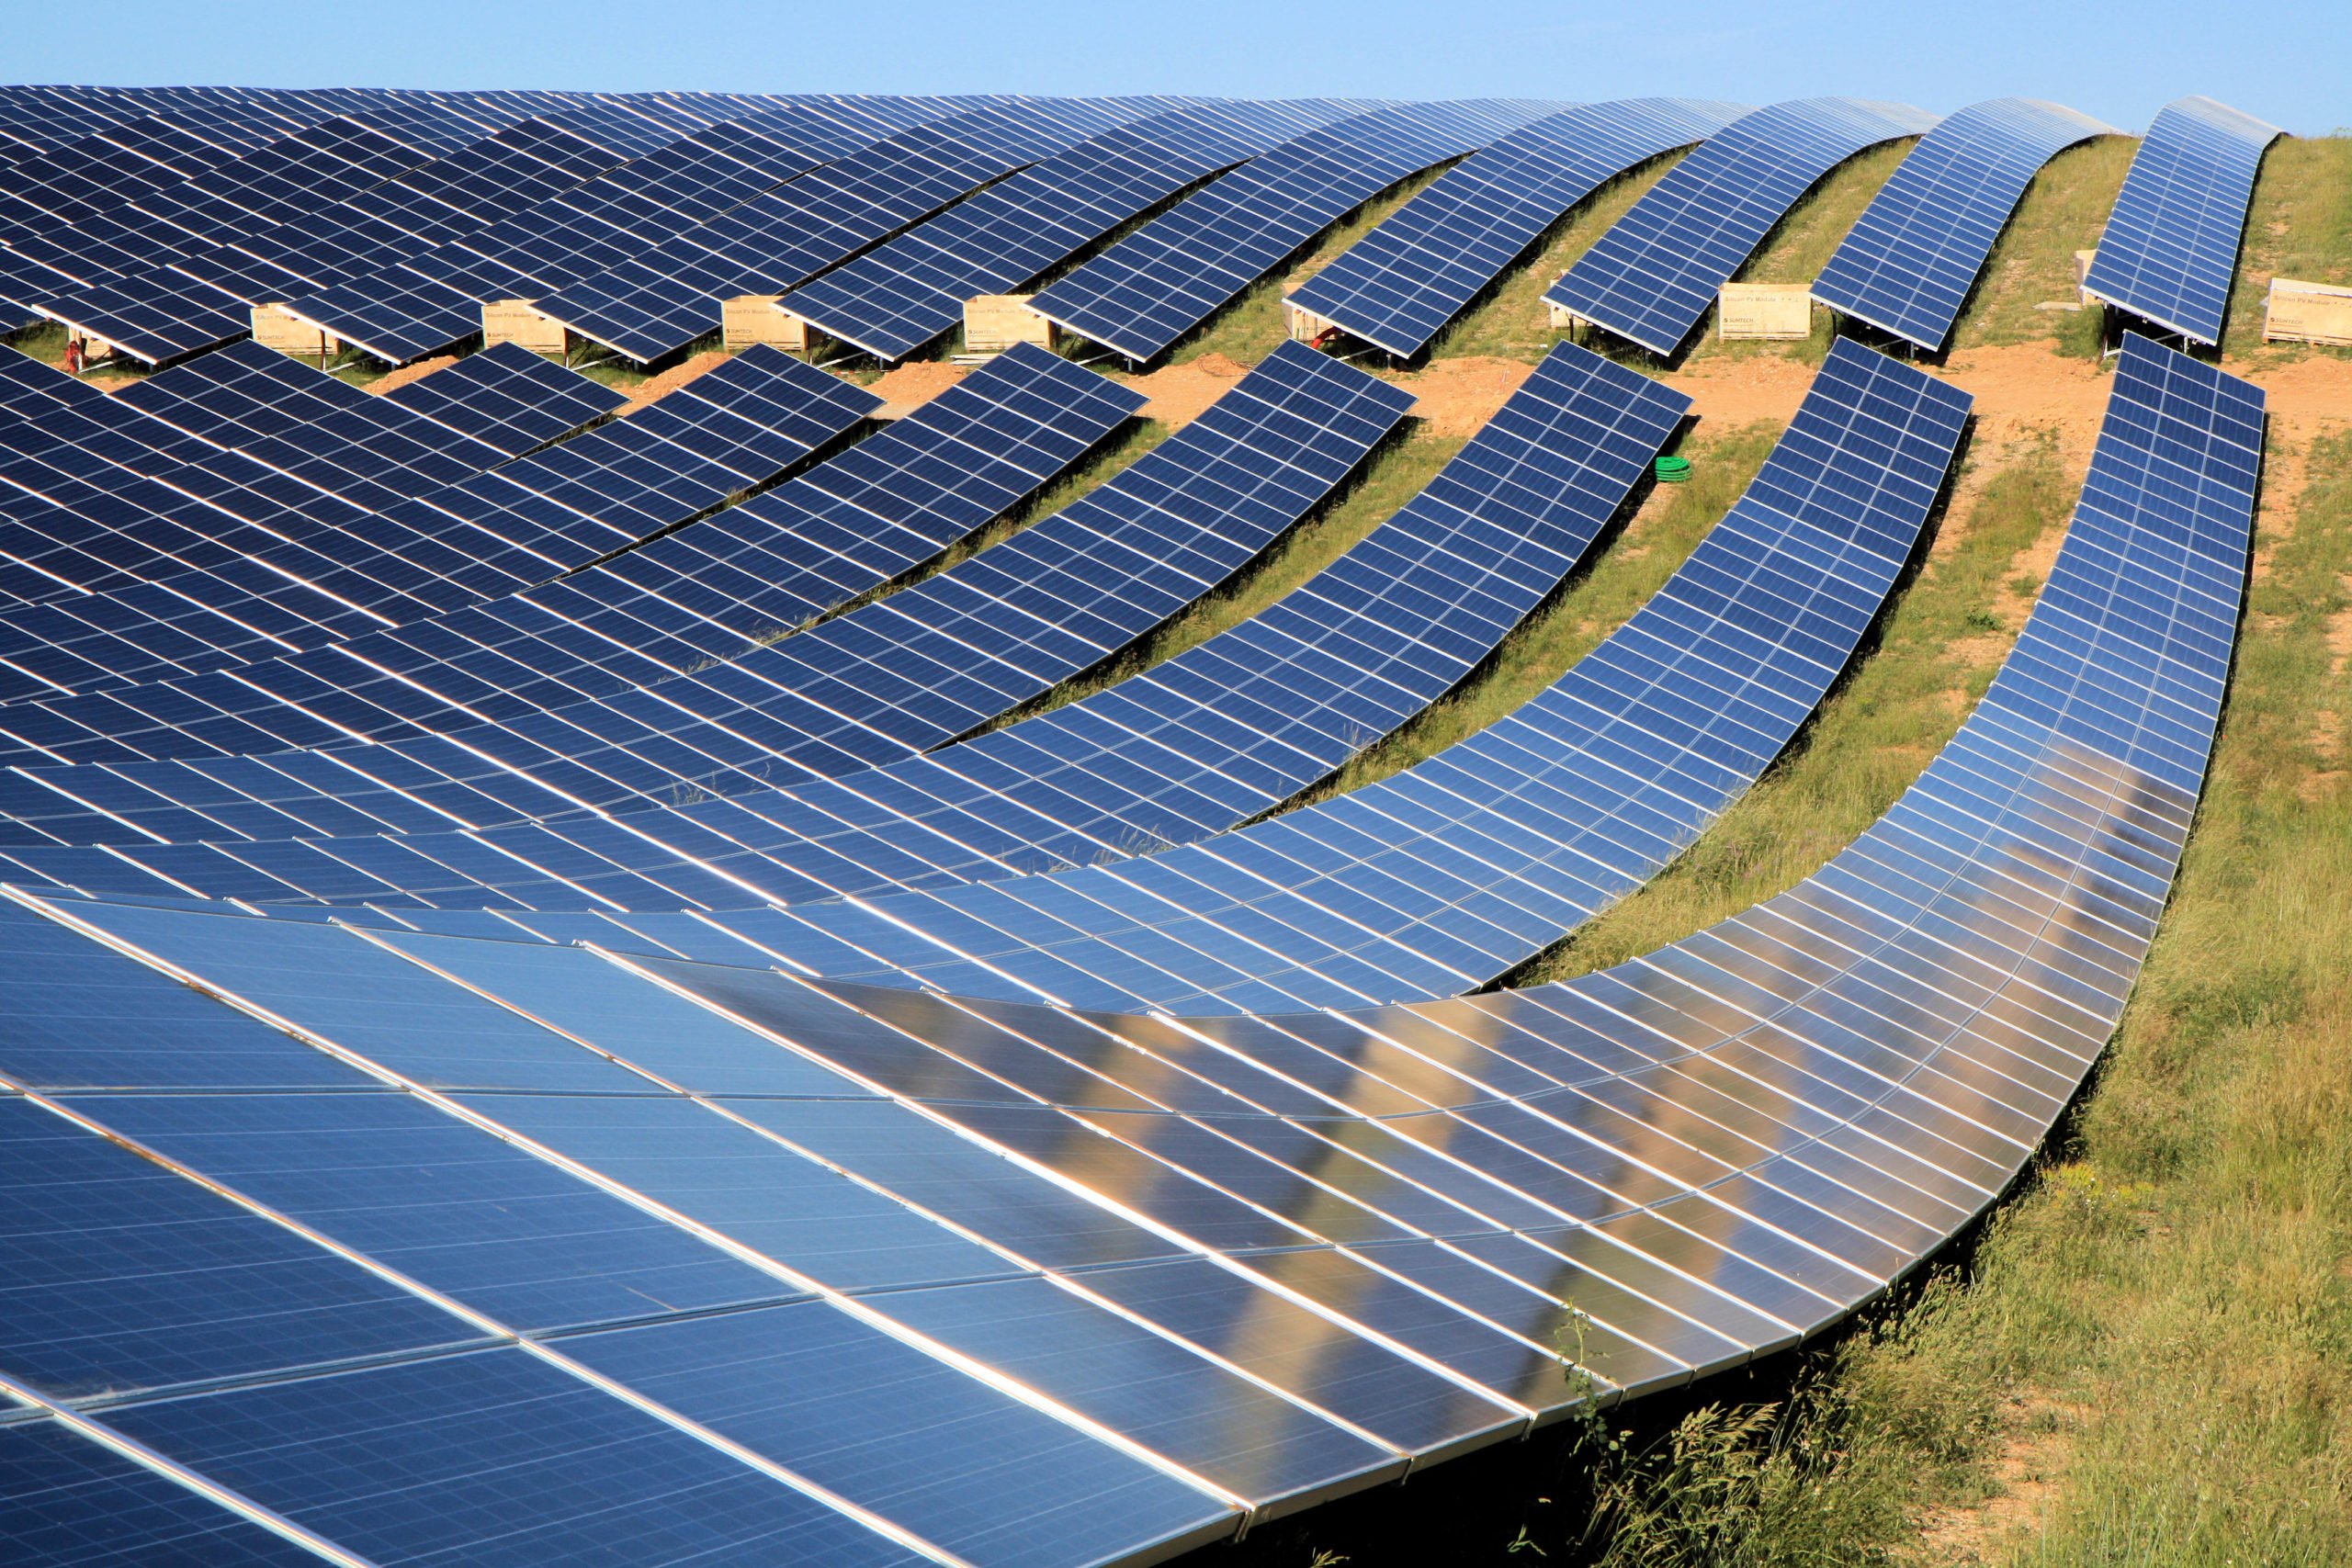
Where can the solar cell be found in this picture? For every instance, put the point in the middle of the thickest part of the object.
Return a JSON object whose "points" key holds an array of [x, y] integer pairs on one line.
{"points": [[204, 293], [508, 398], [1453, 871], [664, 298], [1398, 286], [1189, 747], [921, 665], [434, 298], [2170, 248], [1654, 274], [240, 453], [1912, 256], [681, 602], [911, 289], [1141, 295], [73, 1504], [730, 431]]}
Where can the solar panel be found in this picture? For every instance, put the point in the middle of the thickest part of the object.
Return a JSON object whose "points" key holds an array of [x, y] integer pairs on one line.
{"points": [[278, 184], [1398, 286], [95, 493], [1141, 295], [917, 667], [74, 1504], [303, 422], [680, 602], [508, 398], [1193, 746], [1451, 872], [1912, 258], [2171, 246], [731, 430], [204, 295], [86, 177], [1654, 274], [911, 289], [434, 298], [1288, 1251], [660, 302]]}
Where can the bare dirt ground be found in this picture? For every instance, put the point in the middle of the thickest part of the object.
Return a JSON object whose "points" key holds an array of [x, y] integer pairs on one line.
{"points": [[908, 387], [670, 380], [1458, 396], [1179, 393], [2025, 1477], [1728, 392], [391, 380]]}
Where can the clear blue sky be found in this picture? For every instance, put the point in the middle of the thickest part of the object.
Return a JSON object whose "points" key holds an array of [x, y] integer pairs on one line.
{"points": [[2287, 61]]}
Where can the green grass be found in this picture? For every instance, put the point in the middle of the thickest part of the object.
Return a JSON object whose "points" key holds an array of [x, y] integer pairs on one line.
{"points": [[1511, 323], [2033, 264], [2299, 226], [46, 341], [2154, 1337], [1248, 329]]}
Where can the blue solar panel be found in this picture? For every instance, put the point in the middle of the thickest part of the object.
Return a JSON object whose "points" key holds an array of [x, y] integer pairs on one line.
{"points": [[1291, 1250], [678, 604], [1398, 286], [1655, 273], [508, 398], [1161, 282], [434, 298], [1188, 748], [2171, 246], [204, 294], [661, 300], [238, 455], [894, 299], [916, 667], [74, 1504], [1915, 254], [730, 431]]}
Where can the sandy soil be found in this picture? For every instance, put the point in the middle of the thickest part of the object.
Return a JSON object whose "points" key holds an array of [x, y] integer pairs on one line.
{"points": [[677, 376], [416, 371], [908, 387], [1180, 393], [1458, 396]]}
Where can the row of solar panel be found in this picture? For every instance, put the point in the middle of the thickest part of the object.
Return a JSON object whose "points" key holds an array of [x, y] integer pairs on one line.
{"points": [[1212, 1268], [253, 584], [1356, 899], [1907, 268], [1230, 728]]}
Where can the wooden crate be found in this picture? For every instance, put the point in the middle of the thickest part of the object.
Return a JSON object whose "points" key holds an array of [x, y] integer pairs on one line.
{"points": [[2083, 260], [1306, 325], [277, 327], [1752, 311], [2307, 312], [520, 323], [1560, 318], [753, 318], [994, 322]]}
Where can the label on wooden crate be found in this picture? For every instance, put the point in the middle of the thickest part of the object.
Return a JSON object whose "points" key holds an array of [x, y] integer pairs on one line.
{"points": [[277, 327], [994, 322], [2308, 313], [750, 319], [1765, 311], [520, 323]]}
